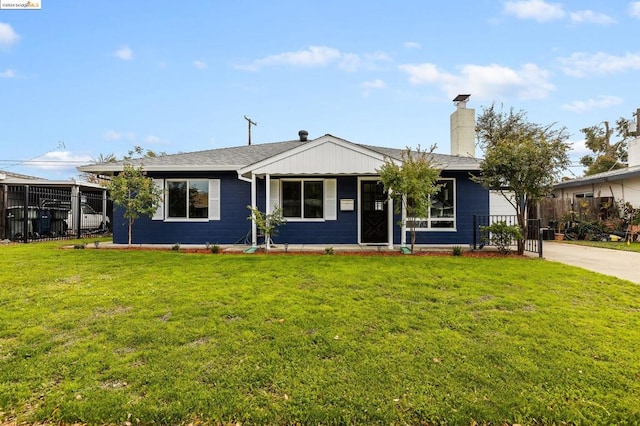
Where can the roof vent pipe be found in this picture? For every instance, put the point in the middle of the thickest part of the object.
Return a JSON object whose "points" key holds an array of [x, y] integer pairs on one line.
{"points": [[303, 134]]}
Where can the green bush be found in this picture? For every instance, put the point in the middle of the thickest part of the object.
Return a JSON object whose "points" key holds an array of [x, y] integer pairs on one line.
{"points": [[457, 250], [501, 235]]}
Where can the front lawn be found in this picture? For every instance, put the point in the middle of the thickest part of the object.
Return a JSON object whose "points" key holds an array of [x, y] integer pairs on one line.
{"points": [[108, 337]]}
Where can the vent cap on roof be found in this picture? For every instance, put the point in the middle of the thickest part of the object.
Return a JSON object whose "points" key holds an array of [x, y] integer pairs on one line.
{"points": [[303, 135]]}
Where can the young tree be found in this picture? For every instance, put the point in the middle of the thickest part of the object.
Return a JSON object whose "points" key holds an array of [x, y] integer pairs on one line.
{"points": [[521, 159], [135, 193], [411, 184], [267, 223], [606, 156]]}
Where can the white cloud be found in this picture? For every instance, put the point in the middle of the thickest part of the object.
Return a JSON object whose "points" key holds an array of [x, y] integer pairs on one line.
{"points": [[600, 102], [487, 82], [371, 85], [57, 160], [154, 140], [412, 45], [125, 53], [318, 56], [199, 64], [112, 135], [634, 9], [9, 73], [8, 37], [591, 17], [538, 10], [584, 64]]}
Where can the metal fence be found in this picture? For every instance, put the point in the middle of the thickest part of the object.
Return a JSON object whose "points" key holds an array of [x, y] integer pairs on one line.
{"points": [[533, 240], [29, 213]]}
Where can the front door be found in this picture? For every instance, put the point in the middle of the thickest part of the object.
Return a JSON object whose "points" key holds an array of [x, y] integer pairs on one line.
{"points": [[373, 211]]}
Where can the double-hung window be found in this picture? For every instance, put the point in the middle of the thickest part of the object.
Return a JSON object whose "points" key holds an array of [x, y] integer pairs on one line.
{"points": [[442, 213], [303, 199], [189, 199]]}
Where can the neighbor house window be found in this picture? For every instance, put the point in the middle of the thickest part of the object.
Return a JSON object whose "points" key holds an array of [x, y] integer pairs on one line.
{"points": [[303, 199], [442, 211], [188, 199]]}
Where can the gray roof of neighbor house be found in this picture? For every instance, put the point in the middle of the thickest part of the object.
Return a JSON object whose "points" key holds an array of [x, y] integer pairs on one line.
{"points": [[11, 178], [234, 158], [613, 175]]}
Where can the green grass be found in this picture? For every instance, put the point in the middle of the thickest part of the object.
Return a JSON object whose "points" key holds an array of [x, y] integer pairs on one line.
{"points": [[614, 245], [107, 336]]}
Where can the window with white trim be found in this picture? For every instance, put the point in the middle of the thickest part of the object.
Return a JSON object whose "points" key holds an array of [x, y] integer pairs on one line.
{"points": [[303, 199], [192, 199], [442, 213]]}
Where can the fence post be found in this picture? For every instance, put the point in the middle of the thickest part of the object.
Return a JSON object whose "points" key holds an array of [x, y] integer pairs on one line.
{"points": [[25, 216], [540, 237]]}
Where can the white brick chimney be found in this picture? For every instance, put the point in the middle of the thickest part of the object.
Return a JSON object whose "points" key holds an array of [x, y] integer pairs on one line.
{"points": [[463, 128]]}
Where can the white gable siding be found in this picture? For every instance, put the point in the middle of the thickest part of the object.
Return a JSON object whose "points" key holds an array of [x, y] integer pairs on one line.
{"points": [[327, 158]]}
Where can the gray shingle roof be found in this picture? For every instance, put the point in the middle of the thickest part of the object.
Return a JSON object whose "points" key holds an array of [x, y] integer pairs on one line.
{"points": [[624, 173], [234, 158]]}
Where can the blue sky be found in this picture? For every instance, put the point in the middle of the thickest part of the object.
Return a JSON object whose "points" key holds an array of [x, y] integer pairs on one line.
{"points": [[79, 79]]}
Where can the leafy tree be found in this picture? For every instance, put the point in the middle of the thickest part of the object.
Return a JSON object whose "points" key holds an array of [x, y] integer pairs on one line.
{"points": [[267, 223], [606, 155], [521, 159], [136, 193], [411, 184]]}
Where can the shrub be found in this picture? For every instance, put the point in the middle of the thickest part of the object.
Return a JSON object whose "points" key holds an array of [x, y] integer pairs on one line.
{"points": [[328, 250], [215, 249], [457, 251], [501, 235], [175, 247]]}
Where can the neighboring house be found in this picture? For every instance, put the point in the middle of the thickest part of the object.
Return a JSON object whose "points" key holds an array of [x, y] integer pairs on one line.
{"points": [[619, 185], [328, 188]]}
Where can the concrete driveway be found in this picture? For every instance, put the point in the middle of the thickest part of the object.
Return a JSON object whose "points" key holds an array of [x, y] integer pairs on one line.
{"points": [[618, 263]]}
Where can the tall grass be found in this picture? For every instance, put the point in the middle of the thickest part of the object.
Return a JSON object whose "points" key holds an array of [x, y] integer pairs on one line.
{"points": [[106, 337]]}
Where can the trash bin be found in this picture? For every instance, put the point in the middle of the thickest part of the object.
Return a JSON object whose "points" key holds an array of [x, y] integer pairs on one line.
{"points": [[43, 223]]}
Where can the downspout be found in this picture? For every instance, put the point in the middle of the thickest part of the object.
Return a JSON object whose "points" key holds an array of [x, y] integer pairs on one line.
{"points": [[254, 229], [267, 208], [403, 218], [390, 222]]}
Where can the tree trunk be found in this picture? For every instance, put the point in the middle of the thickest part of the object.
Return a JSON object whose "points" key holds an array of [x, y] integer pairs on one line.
{"points": [[130, 230]]}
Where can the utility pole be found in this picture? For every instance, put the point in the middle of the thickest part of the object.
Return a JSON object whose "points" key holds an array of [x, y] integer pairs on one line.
{"points": [[249, 123]]}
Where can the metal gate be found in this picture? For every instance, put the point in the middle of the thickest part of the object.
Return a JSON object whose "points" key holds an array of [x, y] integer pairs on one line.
{"points": [[29, 213], [533, 240]]}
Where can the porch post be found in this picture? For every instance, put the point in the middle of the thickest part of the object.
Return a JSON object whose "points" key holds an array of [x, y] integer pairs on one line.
{"points": [[267, 207], [254, 228], [390, 222], [403, 218]]}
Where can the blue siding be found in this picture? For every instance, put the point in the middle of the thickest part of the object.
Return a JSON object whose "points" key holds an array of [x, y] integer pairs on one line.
{"points": [[234, 227], [344, 230], [471, 198]]}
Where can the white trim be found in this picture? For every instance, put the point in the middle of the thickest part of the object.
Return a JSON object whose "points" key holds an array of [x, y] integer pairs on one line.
{"points": [[359, 208], [254, 204], [330, 208], [159, 213], [260, 166], [302, 181], [431, 220], [274, 194], [214, 199]]}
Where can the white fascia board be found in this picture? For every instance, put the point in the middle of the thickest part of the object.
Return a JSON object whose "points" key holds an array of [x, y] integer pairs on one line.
{"points": [[246, 171], [164, 168]]}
